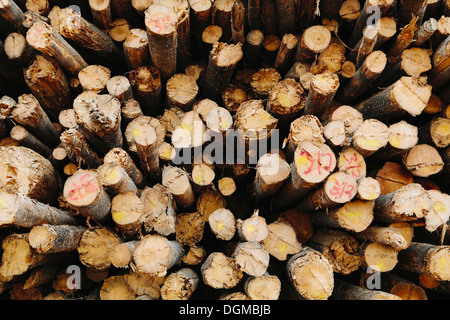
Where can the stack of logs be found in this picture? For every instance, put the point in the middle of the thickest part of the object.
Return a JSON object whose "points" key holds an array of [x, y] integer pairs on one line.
{"points": [[101, 99]]}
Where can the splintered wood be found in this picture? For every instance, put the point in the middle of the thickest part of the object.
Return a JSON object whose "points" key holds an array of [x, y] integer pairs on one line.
{"points": [[227, 149]]}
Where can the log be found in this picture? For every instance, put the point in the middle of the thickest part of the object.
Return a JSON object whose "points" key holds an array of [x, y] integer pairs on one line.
{"points": [[98, 45], [101, 13], [312, 164], [95, 246], [180, 285], [12, 14], [136, 49], [252, 258], [126, 211], [98, 116], [311, 274], [26, 139], [252, 229], [281, 240], [271, 172], [339, 247], [338, 188], [121, 256], [177, 183], [313, 41], [355, 216], [146, 82], [119, 30], [286, 101], [28, 173], [116, 288], [430, 260], [347, 291], [29, 113], [252, 48], [425, 32], [368, 189], [409, 203], [265, 287], [155, 254], [222, 223], [285, 53], [75, 141], [392, 176], [159, 210], [422, 160], [379, 257], [364, 47], [371, 136], [48, 84], [189, 228], [120, 88], [322, 90], [238, 22], [440, 72], [113, 177], [223, 59], [286, 16], [18, 50], [366, 12], [84, 191], [161, 25], [352, 162], [181, 91], [408, 9], [220, 272], [384, 235], [48, 238], [269, 50]]}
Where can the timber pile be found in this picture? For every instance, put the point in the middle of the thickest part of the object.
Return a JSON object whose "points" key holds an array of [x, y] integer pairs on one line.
{"points": [[99, 100]]}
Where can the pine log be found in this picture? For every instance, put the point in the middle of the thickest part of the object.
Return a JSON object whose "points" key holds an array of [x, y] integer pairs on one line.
{"points": [[126, 210], [409, 203], [29, 113], [161, 24], [339, 247], [353, 216], [26, 139], [338, 188], [285, 53], [252, 48], [371, 136], [12, 13], [120, 88], [364, 47], [119, 30], [440, 72], [136, 49], [422, 160], [94, 255], [180, 285], [322, 90], [220, 272], [312, 164], [366, 12], [423, 258], [313, 41], [99, 46], [181, 91], [84, 191], [147, 88], [18, 50], [223, 59], [121, 256], [116, 288], [281, 240], [352, 162], [177, 182], [311, 274], [286, 100], [222, 223], [271, 172], [101, 13], [159, 210], [48, 238], [155, 254], [346, 291], [265, 287], [26, 172], [98, 117], [425, 32], [392, 176], [252, 229], [75, 141]]}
